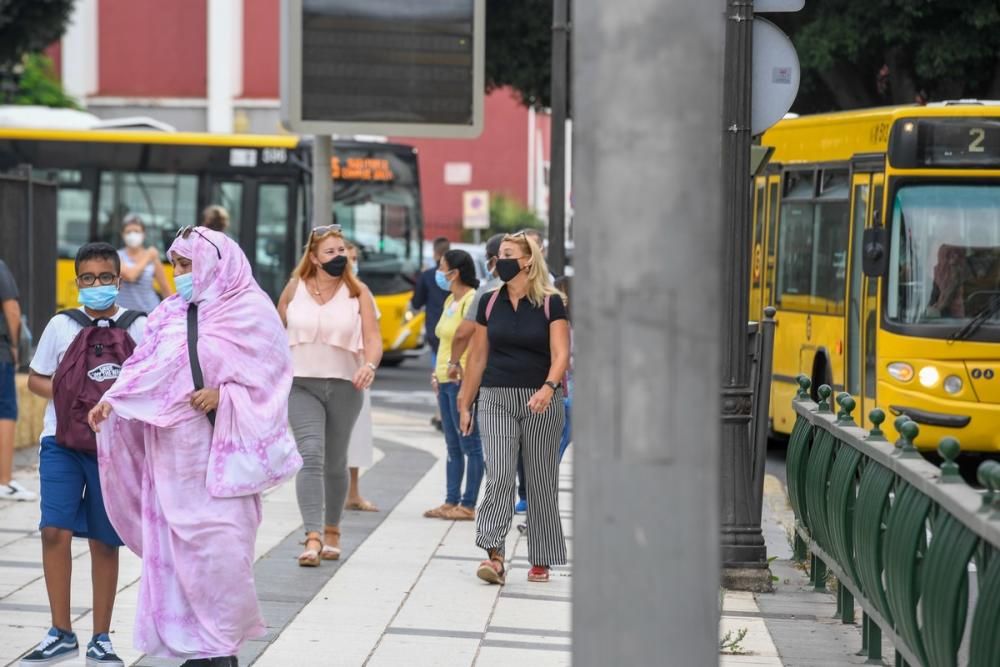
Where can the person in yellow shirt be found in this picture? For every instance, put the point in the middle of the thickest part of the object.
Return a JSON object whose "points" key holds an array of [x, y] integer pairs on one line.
{"points": [[456, 273]]}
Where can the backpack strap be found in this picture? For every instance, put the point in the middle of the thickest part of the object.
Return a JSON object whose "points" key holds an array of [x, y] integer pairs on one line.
{"points": [[79, 317], [192, 345], [128, 318], [492, 302], [548, 297]]}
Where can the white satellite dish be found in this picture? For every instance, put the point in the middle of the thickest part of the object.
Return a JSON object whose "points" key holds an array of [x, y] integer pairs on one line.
{"points": [[775, 75]]}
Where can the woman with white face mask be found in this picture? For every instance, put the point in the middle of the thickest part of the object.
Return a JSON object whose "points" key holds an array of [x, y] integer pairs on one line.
{"points": [[141, 265]]}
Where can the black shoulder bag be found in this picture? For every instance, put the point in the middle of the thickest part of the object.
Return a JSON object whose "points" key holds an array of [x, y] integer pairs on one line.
{"points": [[196, 374]]}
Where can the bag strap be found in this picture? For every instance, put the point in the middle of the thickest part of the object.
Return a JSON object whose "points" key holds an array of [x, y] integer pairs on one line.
{"points": [[79, 317], [492, 302], [192, 345], [128, 318], [548, 297]]}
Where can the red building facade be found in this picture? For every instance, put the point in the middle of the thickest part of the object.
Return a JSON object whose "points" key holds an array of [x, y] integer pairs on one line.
{"points": [[213, 65]]}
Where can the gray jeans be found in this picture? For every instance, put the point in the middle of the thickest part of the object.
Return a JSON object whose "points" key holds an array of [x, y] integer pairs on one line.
{"points": [[322, 413]]}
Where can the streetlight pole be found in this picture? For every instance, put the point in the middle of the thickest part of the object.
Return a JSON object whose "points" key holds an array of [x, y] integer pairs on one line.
{"points": [[646, 141], [322, 178], [557, 165], [744, 555]]}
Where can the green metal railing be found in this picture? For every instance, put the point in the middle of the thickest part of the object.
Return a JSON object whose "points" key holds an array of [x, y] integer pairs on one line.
{"points": [[911, 542]]}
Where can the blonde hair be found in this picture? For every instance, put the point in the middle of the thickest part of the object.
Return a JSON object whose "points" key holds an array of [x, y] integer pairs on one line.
{"points": [[306, 269], [539, 281]]}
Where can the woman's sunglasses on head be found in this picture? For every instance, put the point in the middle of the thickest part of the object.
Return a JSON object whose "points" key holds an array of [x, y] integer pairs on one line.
{"points": [[185, 233]]}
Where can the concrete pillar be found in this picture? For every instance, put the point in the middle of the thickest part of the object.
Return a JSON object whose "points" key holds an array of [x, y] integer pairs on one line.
{"points": [[322, 183], [647, 122], [79, 51], [225, 61]]}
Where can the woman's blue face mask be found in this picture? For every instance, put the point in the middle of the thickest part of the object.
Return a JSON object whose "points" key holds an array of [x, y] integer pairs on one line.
{"points": [[185, 286], [441, 278]]}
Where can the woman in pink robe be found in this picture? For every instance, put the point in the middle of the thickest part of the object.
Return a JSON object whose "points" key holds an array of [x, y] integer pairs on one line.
{"points": [[182, 494]]}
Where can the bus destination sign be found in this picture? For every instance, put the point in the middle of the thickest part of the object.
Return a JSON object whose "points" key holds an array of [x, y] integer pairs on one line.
{"points": [[361, 169], [927, 143]]}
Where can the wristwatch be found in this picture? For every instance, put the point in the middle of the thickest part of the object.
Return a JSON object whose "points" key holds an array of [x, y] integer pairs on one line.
{"points": [[371, 366], [554, 386]]}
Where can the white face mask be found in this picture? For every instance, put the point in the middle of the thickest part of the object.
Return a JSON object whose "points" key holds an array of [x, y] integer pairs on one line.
{"points": [[134, 239]]}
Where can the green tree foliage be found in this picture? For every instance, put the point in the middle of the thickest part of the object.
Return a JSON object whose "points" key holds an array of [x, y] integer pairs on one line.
{"points": [[29, 26], [519, 48], [507, 216], [863, 53], [38, 84]]}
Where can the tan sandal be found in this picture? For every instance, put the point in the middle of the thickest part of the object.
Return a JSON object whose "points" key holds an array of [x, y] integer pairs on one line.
{"points": [[460, 513], [310, 557], [492, 571], [361, 506], [331, 544], [439, 512]]}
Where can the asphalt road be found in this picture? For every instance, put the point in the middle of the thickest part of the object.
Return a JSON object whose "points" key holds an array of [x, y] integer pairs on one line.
{"points": [[406, 387]]}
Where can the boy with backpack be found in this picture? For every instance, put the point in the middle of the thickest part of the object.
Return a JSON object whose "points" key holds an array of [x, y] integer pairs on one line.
{"points": [[79, 357]]}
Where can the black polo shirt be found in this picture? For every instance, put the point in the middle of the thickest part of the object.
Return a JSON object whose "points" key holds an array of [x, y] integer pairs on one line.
{"points": [[520, 355]]}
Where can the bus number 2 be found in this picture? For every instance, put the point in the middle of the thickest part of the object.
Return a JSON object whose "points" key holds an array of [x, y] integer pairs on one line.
{"points": [[978, 135], [274, 156]]}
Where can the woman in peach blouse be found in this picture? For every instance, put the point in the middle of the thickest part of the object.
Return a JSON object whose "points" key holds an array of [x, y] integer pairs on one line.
{"points": [[336, 348]]}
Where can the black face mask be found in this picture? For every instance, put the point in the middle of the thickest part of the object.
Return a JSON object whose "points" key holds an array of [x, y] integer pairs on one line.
{"points": [[507, 269], [335, 267]]}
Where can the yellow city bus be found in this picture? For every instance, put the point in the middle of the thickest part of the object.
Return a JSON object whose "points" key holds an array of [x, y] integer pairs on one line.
{"points": [[876, 235], [263, 181]]}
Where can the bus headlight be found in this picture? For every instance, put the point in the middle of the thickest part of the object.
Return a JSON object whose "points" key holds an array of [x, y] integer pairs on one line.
{"points": [[901, 371], [929, 376], [953, 384]]}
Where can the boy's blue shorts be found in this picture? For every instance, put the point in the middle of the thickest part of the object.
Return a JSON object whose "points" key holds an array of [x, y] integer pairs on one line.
{"points": [[71, 494], [8, 392]]}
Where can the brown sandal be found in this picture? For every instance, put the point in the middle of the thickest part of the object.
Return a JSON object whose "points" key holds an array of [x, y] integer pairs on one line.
{"points": [[439, 512], [310, 557], [492, 571], [331, 544], [460, 513], [361, 506]]}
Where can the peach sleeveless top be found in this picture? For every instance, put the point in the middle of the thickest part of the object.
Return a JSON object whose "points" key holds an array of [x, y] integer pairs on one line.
{"points": [[326, 339]]}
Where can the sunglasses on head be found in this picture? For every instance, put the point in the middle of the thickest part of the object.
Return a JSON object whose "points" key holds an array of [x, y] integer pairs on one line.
{"points": [[323, 229], [185, 233]]}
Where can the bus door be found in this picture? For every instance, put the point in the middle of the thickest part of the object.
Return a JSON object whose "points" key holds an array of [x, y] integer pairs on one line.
{"points": [[853, 356], [869, 310], [273, 250], [757, 250], [235, 194], [771, 238]]}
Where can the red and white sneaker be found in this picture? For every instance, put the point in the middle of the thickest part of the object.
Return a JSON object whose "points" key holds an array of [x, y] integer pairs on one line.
{"points": [[538, 573]]}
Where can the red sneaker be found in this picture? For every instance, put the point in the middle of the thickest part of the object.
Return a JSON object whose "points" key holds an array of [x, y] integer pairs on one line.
{"points": [[538, 573]]}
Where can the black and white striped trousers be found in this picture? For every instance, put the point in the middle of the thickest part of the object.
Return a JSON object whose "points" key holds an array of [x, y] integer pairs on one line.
{"points": [[506, 425]]}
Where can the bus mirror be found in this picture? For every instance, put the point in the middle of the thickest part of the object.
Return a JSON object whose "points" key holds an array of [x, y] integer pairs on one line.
{"points": [[875, 252]]}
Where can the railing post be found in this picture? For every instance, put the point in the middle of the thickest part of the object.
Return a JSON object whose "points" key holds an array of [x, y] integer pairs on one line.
{"points": [[846, 604], [909, 431], [874, 641], [898, 425], [799, 548], [949, 449], [824, 393], [984, 475], [819, 574], [877, 416]]}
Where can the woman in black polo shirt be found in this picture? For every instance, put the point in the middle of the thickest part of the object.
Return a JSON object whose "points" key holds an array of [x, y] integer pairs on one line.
{"points": [[518, 356]]}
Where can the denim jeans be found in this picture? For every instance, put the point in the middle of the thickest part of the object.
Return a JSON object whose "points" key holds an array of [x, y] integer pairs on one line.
{"points": [[465, 453]]}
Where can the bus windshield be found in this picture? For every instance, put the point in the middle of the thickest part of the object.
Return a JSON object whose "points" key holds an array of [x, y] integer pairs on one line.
{"points": [[945, 257], [381, 217]]}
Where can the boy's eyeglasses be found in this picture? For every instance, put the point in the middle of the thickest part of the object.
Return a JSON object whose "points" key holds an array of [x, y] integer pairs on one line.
{"points": [[89, 279], [323, 229], [185, 233]]}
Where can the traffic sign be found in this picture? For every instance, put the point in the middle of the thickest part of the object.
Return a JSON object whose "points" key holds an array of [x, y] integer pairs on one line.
{"points": [[765, 6], [476, 209], [386, 67], [775, 75]]}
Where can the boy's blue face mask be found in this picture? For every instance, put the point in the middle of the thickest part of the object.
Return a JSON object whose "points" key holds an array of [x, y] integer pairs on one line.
{"points": [[100, 297], [185, 286]]}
